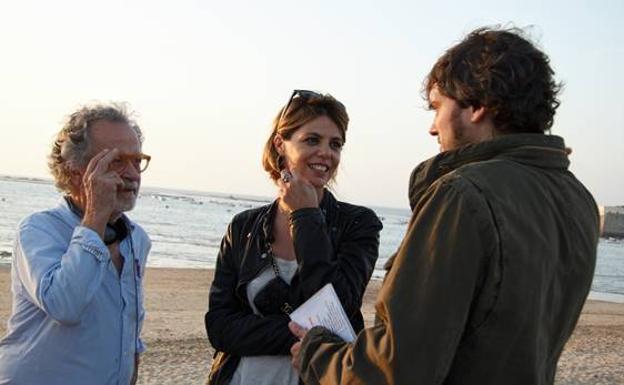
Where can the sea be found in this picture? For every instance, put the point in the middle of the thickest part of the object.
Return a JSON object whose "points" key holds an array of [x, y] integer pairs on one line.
{"points": [[186, 228]]}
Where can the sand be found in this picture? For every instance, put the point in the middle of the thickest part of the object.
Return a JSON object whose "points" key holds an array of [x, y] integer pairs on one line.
{"points": [[179, 352]]}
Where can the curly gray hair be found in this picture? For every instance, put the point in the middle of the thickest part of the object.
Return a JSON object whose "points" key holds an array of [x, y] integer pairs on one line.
{"points": [[70, 149]]}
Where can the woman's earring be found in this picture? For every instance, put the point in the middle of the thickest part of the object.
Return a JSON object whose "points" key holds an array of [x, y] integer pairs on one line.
{"points": [[285, 175]]}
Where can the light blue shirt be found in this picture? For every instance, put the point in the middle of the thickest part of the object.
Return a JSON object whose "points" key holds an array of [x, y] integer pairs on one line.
{"points": [[75, 319]]}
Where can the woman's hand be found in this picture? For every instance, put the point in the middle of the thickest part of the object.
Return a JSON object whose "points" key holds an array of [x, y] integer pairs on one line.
{"points": [[296, 192]]}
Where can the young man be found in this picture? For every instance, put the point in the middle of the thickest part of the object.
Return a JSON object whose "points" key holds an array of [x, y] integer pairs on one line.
{"points": [[77, 271], [500, 251]]}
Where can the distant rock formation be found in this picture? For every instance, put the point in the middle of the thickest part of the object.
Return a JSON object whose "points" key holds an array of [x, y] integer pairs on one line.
{"points": [[612, 221]]}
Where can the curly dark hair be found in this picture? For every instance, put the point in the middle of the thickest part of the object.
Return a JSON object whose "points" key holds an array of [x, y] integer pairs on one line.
{"points": [[501, 70]]}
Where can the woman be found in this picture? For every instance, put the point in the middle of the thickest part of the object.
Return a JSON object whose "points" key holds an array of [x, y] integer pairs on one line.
{"points": [[274, 257]]}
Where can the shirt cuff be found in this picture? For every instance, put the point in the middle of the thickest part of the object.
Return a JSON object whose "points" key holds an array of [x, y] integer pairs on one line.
{"points": [[91, 242], [313, 213]]}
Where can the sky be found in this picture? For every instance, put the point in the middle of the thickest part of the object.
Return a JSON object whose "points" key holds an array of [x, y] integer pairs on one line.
{"points": [[206, 78]]}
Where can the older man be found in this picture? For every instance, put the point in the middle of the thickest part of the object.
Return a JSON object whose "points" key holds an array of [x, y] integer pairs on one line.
{"points": [[499, 254], [77, 271]]}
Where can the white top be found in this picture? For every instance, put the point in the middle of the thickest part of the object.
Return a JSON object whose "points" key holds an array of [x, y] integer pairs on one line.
{"points": [[267, 370]]}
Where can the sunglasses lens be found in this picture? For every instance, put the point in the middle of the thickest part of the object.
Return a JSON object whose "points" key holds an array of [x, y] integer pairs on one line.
{"points": [[304, 95], [308, 94]]}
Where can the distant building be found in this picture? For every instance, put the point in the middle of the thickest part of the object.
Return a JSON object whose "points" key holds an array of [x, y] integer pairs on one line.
{"points": [[612, 221]]}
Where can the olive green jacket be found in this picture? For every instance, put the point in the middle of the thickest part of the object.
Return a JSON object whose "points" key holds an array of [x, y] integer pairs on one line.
{"points": [[490, 278]]}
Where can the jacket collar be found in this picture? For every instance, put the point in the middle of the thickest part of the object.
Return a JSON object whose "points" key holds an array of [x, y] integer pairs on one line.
{"points": [[261, 235], [537, 150]]}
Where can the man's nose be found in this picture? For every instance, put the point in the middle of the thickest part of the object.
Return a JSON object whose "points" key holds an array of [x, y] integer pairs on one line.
{"points": [[433, 130], [131, 171]]}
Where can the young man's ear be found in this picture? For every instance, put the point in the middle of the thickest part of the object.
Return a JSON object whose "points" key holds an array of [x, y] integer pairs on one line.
{"points": [[478, 114]]}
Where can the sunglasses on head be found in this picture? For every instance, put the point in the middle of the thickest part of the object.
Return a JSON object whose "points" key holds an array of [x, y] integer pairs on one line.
{"points": [[305, 95]]}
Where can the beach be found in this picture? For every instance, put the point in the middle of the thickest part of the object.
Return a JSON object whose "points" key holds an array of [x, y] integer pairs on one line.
{"points": [[179, 352]]}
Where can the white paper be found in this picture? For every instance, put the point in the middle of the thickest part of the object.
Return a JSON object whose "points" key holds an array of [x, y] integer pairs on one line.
{"points": [[324, 309]]}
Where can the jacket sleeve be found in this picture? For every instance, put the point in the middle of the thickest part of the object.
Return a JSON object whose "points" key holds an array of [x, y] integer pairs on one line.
{"points": [[425, 301], [60, 279], [348, 266], [231, 326]]}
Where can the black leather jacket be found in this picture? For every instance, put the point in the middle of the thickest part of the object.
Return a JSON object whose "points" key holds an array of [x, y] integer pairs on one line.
{"points": [[337, 242]]}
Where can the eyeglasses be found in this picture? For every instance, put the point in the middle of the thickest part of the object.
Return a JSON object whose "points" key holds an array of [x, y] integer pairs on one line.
{"points": [[305, 95], [138, 161]]}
